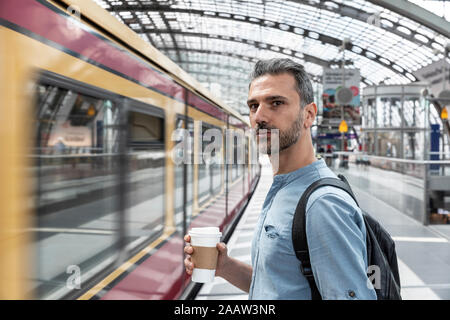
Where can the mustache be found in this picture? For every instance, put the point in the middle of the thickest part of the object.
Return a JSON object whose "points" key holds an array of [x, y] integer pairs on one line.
{"points": [[263, 127]]}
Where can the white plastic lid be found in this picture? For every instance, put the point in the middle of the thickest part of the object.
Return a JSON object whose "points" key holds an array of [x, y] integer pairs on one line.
{"points": [[206, 231]]}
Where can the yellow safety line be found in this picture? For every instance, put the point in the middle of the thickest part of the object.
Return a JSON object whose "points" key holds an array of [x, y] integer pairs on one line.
{"points": [[124, 267]]}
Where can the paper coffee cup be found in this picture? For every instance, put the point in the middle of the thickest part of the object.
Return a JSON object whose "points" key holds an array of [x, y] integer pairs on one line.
{"points": [[204, 257]]}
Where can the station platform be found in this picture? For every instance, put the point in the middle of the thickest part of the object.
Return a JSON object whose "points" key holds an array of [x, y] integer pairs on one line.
{"points": [[423, 252]]}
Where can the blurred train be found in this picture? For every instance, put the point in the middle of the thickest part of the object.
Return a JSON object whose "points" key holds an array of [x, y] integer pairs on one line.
{"points": [[92, 205]]}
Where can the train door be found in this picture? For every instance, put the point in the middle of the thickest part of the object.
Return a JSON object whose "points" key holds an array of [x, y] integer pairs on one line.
{"points": [[183, 185], [76, 179], [145, 181]]}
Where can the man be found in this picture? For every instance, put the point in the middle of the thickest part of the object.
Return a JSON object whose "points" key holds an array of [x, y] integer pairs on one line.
{"points": [[281, 97]]}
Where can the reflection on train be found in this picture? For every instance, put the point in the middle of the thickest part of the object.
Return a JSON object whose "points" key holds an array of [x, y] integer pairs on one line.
{"points": [[108, 206]]}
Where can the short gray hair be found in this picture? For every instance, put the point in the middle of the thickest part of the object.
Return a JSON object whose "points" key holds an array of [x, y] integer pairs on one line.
{"points": [[278, 66]]}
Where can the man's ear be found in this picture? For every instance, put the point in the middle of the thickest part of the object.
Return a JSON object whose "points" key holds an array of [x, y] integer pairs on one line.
{"points": [[309, 112]]}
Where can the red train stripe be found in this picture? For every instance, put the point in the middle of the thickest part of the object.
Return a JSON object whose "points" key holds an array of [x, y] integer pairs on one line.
{"points": [[72, 35]]}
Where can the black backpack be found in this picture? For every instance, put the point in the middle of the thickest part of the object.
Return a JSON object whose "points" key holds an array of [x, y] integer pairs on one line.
{"points": [[380, 246]]}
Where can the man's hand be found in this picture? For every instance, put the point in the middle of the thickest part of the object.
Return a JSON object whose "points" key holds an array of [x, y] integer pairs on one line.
{"points": [[221, 259]]}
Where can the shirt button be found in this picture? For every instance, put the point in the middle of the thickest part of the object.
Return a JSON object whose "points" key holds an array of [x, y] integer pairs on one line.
{"points": [[352, 294]]}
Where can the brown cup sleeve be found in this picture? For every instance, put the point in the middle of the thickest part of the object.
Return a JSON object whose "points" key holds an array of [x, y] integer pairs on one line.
{"points": [[205, 257]]}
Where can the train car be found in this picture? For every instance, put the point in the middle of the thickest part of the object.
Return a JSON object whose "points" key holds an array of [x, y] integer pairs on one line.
{"points": [[92, 203]]}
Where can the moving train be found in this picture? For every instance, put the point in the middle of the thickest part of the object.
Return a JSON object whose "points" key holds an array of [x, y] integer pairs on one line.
{"points": [[92, 204]]}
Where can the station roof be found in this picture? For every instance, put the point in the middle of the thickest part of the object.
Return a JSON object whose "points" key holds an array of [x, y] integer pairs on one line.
{"points": [[218, 41]]}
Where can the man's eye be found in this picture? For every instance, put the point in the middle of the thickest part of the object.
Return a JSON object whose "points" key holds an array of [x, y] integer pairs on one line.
{"points": [[277, 103], [253, 106]]}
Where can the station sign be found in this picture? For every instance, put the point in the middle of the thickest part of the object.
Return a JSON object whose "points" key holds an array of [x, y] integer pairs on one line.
{"points": [[332, 81], [433, 74]]}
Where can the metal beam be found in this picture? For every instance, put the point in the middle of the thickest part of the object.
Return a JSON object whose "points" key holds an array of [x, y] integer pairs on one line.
{"points": [[215, 77], [258, 45], [314, 78], [216, 65], [416, 13], [271, 24], [163, 16], [221, 66], [367, 17], [339, 8], [238, 81]]}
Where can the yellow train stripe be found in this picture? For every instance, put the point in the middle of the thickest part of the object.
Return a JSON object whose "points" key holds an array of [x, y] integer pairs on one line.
{"points": [[124, 267], [15, 184]]}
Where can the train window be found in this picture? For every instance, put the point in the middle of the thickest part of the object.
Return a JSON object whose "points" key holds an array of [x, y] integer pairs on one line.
{"points": [[178, 196], [217, 170], [235, 162], [76, 168], [238, 155], [144, 216], [203, 184], [205, 172], [210, 174], [146, 130]]}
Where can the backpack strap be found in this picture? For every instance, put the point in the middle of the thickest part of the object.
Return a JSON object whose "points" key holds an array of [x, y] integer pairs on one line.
{"points": [[299, 238]]}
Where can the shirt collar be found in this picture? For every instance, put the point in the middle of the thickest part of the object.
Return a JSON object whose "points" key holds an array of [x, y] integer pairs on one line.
{"points": [[293, 175]]}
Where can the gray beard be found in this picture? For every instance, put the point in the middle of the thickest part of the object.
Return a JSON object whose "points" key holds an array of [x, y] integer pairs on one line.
{"points": [[286, 138]]}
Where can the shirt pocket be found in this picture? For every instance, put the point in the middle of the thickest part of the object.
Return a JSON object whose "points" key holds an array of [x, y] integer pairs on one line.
{"points": [[277, 239], [270, 244], [275, 246], [271, 232]]}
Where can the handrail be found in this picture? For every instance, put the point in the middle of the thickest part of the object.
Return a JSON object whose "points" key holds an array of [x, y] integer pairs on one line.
{"points": [[394, 159], [156, 154]]}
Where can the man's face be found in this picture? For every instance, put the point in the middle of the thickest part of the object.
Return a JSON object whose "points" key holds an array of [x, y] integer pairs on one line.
{"points": [[274, 103]]}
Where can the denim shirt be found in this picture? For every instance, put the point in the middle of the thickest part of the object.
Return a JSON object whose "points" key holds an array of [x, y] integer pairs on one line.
{"points": [[336, 238]]}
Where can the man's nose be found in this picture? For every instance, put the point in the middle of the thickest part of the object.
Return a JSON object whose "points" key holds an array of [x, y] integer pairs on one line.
{"points": [[262, 114]]}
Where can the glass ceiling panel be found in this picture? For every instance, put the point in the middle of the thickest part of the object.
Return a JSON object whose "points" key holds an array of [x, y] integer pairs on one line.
{"points": [[384, 53]]}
